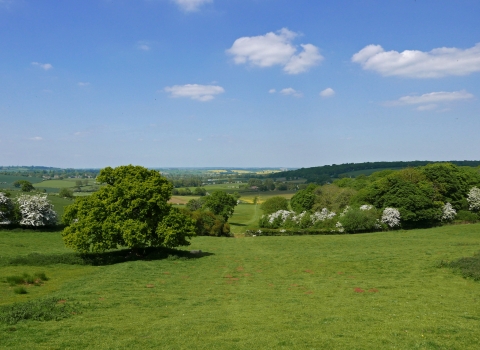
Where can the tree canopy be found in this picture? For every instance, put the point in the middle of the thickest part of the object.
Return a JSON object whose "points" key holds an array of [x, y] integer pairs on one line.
{"points": [[220, 203], [132, 210]]}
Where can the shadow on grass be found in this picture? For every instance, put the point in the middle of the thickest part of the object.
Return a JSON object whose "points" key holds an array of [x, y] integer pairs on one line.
{"points": [[107, 258], [468, 267], [235, 224]]}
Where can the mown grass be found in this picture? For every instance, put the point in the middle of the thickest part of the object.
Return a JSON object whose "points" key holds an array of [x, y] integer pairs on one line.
{"points": [[245, 217], [368, 291]]}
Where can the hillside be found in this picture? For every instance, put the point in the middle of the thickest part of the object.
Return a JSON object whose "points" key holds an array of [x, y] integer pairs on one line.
{"points": [[326, 173]]}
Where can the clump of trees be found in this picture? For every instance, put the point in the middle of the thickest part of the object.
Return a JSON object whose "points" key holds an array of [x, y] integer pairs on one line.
{"points": [[410, 198], [131, 210], [24, 185], [211, 213]]}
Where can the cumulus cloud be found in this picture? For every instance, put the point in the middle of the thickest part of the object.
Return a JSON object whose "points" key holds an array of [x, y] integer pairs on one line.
{"points": [[191, 5], [291, 91], [275, 49], [431, 100], [436, 63], [44, 66], [328, 92], [195, 92]]}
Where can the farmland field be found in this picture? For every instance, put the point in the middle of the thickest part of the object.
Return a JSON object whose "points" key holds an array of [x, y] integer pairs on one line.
{"points": [[368, 291]]}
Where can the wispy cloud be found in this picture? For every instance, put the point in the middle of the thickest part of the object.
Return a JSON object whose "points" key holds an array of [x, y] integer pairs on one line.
{"points": [[328, 92], [144, 46], [191, 5], [275, 49], [36, 138], [431, 100], [44, 66], [436, 63], [195, 92], [83, 84]]}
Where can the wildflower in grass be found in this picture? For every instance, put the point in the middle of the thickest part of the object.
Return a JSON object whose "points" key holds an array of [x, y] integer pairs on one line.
{"points": [[366, 207], [322, 215], [391, 217], [6, 209], [36, 211], [448, 212], [473, 199]]}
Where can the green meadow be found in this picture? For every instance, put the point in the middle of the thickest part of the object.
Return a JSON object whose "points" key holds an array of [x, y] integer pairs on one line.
{"points": [[367, 291]]}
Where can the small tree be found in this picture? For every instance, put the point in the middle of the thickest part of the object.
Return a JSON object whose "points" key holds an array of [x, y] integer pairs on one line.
{"points": [[130, 211], [24, 185], [6, 209], [303, 200], [36, 211], [448, 212], [221, 203], [391, 217], [66, 193], [273, 204]]}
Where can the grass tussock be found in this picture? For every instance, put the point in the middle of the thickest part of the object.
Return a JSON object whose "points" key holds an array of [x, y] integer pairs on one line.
{"points": [[37, 279], [51, 309], [468, 267]]}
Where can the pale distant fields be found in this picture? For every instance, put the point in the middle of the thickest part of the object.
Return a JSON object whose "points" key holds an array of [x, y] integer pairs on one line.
{"points": [[368, 291]]}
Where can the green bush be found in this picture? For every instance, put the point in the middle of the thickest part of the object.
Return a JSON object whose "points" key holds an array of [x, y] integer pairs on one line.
{"points": [[465, 215], [468, 267], [356, 220], [273, 204]]}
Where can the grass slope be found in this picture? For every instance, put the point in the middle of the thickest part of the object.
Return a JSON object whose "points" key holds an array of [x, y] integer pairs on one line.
{"points": [[370, 291]]}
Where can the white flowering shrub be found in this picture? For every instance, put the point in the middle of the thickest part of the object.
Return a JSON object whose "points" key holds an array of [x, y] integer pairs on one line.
{"points": [[322, 215], [347, 208], [473, 199], [391, 217], [6, 209], [280, 214], [36, 211], [339, 227], [448, 212], [366, 207]]}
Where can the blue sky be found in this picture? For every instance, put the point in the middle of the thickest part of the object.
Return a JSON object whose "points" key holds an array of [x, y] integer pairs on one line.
{"points": [[238, 83]]}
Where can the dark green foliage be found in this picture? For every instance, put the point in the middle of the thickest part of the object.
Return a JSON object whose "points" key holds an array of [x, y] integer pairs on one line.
{"points": [[207, 224], [332, 197], [273, 204], [468, 216], [199, 191], [220, 203], [130, 211], [194, 204], [19, 290], [356, 220], [303, 200], [468, 267], [38, 310], [66, 193], [36, 279], [25, 186]]}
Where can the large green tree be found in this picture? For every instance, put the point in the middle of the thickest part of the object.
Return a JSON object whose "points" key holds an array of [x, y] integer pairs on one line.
{"points": [[132, 210], [273, 204], [220, 203]]}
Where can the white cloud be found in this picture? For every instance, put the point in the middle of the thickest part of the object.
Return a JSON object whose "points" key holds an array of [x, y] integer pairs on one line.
{"points": [[195, 92], [44, 66], [328, 92], [191, 5], [431, 100], [291, 91], [82, 84], [199, 140], [275, 49], [36, 138], [436, 63], [272, 91]]}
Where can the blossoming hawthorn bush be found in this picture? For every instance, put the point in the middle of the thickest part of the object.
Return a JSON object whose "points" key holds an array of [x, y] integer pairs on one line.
{"points": [[6, 209], [473, 199], [448, 212], [36, 211], [391, 217]]}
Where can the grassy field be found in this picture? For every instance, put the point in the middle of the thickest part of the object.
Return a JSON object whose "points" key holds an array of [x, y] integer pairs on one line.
{"points": [[369, 291], [245, 217], [6, 181]]}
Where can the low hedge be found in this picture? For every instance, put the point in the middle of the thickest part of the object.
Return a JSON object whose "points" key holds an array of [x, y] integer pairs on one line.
{"points": [[289, 232]]}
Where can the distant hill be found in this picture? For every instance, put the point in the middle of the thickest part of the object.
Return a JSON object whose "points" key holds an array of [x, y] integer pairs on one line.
{"points": [[323, 174]]}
